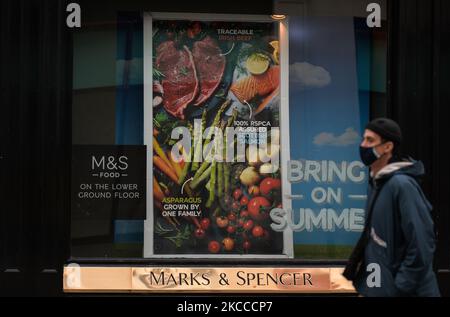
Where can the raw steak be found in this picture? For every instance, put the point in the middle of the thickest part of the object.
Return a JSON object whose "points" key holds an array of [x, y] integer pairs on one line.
{"points": [[180, 83], [210, 65]]}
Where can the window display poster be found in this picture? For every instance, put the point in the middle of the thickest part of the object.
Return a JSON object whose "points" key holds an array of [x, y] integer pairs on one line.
{"points": [[328, 179], [215, 118]]}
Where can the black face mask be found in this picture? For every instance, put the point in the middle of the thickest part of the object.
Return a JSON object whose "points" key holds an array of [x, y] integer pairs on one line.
{"points": [[369, 155]]}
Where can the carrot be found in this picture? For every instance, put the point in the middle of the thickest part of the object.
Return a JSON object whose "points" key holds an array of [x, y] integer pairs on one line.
{"points": [[175, 165], [155, 132], [157, 192], [160, 152], [165, 189], [266, 101], [158, 161]]}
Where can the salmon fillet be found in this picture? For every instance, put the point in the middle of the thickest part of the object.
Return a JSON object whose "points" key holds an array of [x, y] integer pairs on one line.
{"points": [[247, 88], [269, 81]]}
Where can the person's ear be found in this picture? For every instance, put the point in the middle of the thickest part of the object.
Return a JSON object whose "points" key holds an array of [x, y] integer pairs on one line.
{"points": [[389, 146]]}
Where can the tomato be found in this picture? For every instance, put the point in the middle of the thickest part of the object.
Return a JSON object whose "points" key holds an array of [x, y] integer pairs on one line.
{"points": [[231, 216], [237, 194], [204, 223], [196, 27], [214, 246], [235, 206], [200, 233], [190, 33], [244, 201], [258, 231], [269, 184], [241, 222], [222, 222], [246, 245], [228, 244], [258, 208], [253, 190], [248, 225], [231, 229]]}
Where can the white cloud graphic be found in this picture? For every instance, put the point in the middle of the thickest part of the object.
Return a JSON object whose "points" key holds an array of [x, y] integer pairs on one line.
{"points": [[308, 76], [349, 137]]}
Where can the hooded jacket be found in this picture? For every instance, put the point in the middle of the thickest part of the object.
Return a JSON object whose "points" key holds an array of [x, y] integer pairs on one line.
{"points": [[402, 239]]}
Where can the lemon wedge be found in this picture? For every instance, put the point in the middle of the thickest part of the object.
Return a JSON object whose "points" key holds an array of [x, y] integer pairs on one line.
{"points": [[275, 45], [257, 63], [276, 56], [276, 51]]}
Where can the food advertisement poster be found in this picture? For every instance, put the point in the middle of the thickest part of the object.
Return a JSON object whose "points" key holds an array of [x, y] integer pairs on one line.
{"points": [[215, 135]]}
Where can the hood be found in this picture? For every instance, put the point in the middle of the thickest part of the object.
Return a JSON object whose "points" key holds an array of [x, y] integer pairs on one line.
{"points": [[408, 167]]}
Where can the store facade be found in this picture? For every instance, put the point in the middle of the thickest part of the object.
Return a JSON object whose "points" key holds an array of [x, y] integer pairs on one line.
{"points": [[162, 148]]}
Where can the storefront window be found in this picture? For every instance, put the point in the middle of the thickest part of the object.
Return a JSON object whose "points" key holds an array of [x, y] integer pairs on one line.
{"points": [[337, 74], [285, 101]]}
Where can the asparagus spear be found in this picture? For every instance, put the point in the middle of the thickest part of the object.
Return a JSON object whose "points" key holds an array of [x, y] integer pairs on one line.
{"points": [[226, 166], [187, 164], [197, 149], [220, 179], [212, 192], [198, 180], [216, 123], [217, 120], [205, 164]]}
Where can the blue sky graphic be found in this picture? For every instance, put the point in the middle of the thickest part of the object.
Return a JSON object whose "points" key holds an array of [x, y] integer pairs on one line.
{"points": [[328, 43]]}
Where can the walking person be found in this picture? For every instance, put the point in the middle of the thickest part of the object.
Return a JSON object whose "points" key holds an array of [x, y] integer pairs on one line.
{"points": [[398, 239]]}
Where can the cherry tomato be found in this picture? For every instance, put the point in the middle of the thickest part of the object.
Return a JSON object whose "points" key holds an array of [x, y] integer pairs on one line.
{"points": [[200, 233], [228, 244], [237, 194], [258, 231], [248, 225], [235, 206], [246, 245], [196, 27], [222, 222], [258, 208], [214, 246], [204, 223], [231, 229], [244, 201], [190, 33], [269, 184], [241, 222], [253, 190], [231, 216]]}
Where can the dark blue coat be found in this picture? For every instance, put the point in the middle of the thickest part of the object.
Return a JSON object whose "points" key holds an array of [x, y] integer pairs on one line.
{"points": [[402, 240]]}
